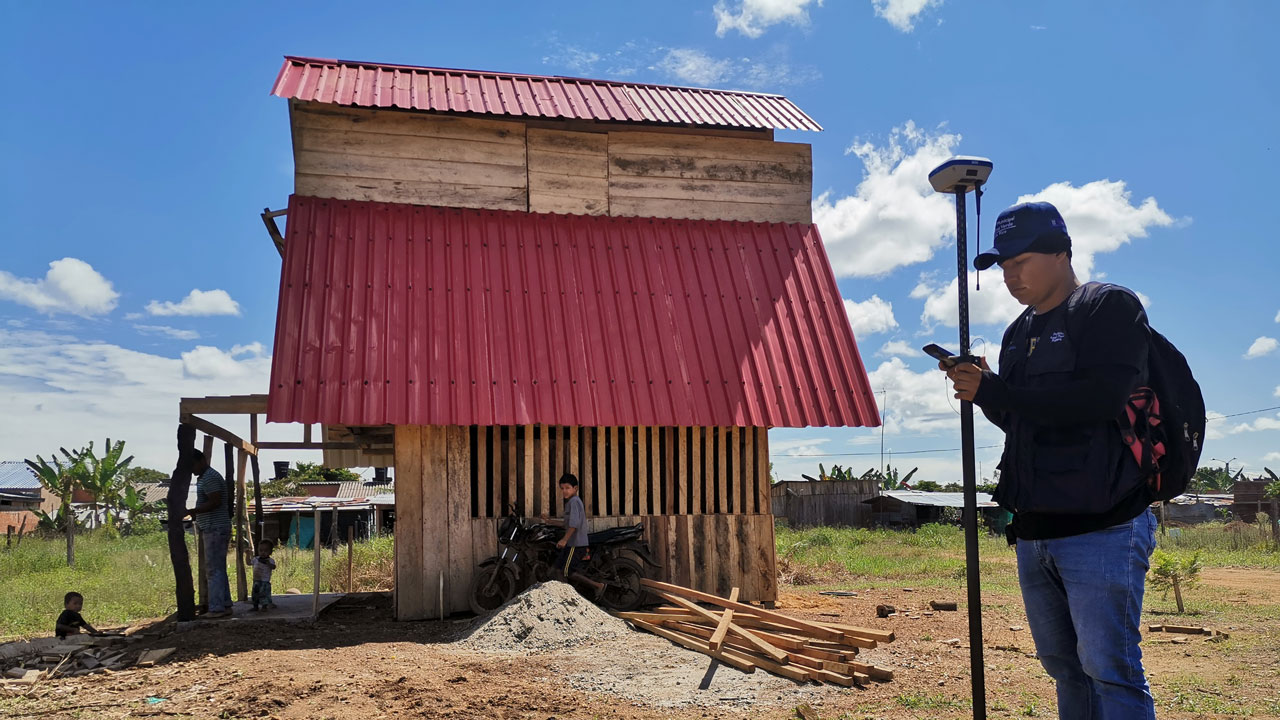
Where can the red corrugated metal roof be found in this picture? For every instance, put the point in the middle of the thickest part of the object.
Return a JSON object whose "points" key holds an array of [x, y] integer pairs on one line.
{"points": [[404, 315], [378, 85]]}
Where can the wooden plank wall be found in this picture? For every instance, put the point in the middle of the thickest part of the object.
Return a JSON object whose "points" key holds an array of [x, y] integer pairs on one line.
{"points": [[709, 178], [807, 504], [568, 172], [413, 158], [446, 523], [623, 471], [427, 159]]}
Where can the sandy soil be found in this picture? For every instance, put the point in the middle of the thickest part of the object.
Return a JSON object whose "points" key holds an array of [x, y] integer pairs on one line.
{"points": [[356, 662]]}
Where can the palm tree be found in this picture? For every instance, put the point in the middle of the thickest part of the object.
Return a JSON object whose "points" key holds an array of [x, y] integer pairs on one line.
{"points": [[62, 479]]}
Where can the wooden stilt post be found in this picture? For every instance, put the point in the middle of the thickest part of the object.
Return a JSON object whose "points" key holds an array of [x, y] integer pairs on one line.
{"points": [[315, 581], [176, 510], [351, 544], [242, 524], [202, 573], [333, 531], [257, 502]]}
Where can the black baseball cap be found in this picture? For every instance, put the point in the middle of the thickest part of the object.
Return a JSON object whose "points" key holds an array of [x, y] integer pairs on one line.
{"points": [[1029, 227]]}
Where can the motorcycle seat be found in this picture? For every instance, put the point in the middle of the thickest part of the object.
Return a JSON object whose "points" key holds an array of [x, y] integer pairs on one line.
{"points": [[618, 534]]}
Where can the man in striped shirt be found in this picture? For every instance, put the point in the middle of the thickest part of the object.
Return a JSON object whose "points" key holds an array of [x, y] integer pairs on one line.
{"points": [[212, 514]]}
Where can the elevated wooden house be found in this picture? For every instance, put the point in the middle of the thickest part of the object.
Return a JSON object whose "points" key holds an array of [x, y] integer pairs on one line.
{"points": [[492, 279]]}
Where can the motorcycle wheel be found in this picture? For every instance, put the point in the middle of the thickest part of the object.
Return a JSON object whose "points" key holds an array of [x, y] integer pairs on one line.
{"points": [[485, 597], [624, 592]]}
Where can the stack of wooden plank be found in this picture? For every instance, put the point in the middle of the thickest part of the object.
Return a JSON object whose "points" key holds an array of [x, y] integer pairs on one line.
{"points": [[24, 664], [748, 637]]}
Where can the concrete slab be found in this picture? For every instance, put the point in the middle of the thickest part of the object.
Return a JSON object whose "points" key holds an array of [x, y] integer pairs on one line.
{"points": [[289, 608]]}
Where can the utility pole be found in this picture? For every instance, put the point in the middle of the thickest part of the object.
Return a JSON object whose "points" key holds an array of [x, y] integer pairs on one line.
{"points": [[884, 412]]}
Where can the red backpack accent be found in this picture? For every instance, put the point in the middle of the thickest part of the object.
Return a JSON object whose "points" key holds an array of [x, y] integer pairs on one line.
{"points": [[1142, 430]]}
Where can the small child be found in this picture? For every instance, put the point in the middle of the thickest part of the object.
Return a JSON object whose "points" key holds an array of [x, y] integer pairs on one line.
{"points": [[70, 621], [262, 567], [573, 546]]}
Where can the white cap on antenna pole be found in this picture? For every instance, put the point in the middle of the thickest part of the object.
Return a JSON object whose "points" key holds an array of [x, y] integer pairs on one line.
{"points": [[961, 173]]}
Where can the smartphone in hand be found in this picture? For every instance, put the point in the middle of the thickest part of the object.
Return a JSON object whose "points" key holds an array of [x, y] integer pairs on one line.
{"points": [[946, 357]]}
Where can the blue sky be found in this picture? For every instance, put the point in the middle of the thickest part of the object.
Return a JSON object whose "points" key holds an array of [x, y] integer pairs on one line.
{"points": [[140, 144]]}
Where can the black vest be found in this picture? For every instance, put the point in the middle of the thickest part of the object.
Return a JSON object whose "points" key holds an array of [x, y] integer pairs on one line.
{"points": [[1077, 470]]}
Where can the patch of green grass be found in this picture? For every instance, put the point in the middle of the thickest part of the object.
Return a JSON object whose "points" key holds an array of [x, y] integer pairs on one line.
{"points": [[929, 557], [932, 556], [921, 701], [1224, 544], [124, 579]]}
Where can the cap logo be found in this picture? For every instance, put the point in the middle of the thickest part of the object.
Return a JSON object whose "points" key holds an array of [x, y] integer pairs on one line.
{"points": [[1005, 224]]}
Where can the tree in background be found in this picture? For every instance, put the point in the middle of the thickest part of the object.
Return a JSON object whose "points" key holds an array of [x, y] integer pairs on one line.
{"points": [[291, 484], [136, 475], [1212, 480], [1170, 571], [60, 477]]}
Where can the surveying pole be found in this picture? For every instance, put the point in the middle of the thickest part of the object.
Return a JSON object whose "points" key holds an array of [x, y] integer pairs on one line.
{"points": [[958, 176]]}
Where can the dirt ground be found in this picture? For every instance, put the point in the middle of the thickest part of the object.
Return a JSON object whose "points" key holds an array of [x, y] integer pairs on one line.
{"points": [[356, 662]]}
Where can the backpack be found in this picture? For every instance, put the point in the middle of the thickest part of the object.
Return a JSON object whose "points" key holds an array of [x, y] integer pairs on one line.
{"points": [[1163, 422]]}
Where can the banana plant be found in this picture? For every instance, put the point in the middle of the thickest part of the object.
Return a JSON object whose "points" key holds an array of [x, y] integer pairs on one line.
{"points": [[106, 478], [62, 477]]}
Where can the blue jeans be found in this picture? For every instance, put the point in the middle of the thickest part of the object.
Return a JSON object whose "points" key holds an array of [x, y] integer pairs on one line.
{"points": [[1084, 605], [215, 568]]}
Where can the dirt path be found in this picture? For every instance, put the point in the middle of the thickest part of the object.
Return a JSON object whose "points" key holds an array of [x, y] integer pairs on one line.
{"points": [[1245, 584], [356, 662]]}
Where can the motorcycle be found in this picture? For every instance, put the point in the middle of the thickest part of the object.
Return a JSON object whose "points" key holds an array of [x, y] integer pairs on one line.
{"points": [[616, 558]]}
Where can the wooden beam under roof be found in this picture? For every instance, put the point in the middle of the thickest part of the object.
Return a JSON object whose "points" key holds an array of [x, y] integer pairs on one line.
{"points": [[219, 432], [224, 405]]}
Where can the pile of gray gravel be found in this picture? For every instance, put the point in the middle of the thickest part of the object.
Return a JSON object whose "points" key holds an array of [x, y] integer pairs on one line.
{"points": [[548, 616]]}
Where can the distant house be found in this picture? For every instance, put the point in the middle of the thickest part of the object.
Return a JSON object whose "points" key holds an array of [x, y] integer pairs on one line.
{"points": [[912, 508], [835, 503], [21, 495]]}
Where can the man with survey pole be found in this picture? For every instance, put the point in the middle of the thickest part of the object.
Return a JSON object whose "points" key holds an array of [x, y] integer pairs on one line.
{"points": [[1081, 522]]}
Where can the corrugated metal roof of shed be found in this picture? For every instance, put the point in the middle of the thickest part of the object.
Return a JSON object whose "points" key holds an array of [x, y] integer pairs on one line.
{"points": [[403, 315], [405, 87], [15, 475]]}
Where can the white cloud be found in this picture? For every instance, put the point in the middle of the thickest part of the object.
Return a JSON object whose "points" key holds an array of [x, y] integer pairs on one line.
{"points": [[1278, 316], [197, 303], [210, 363], [1262, 423], [1277, 393], [58, 390], [1261, 347], [1212, 426], [894, 218], [576, 59], [1100, 216], [798, 447], [916, 402], [993, 305], [753, 17], [902, 14], [166, 331], [898, 347], [71, 286], [694, 66], [1273, 457], [870, 316]]}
